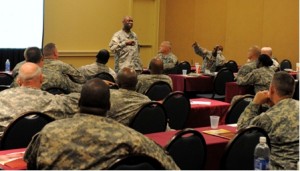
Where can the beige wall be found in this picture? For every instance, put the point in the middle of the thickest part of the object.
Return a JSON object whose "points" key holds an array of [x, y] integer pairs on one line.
{"points": [[235, 24], [82, 27]]}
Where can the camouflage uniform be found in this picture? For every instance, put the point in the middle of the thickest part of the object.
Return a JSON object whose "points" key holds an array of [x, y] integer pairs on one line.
{"points": [[145, 81], [275, 65], [209, 61], [246, 69], [89, 71], [125, 56], [16, 68], [281, 122], [16, 101], [125, 104], [261, 78], [89, 142], [169, 60]]}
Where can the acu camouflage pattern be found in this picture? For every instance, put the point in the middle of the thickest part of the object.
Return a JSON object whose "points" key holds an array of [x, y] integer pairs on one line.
{"points": [[261, 78], [125, 56], [209, 61], [169, 60], [89, 71], [281, 122], [16, 101], [246, 69], [89, 142], [125, 104], [146, 80], [15, 71]]}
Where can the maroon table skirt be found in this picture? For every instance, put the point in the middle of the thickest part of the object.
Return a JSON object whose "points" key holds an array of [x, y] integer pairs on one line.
{"points": [[232, 89]]}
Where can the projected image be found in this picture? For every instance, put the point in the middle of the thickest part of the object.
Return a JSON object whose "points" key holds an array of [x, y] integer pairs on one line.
{"points": [[21, 23]]}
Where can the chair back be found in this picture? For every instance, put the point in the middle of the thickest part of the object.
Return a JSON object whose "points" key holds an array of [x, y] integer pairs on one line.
{"points": [[232, 65], [18, 134], [150, 118], [136, 162], [285, 64], [224, 75], [238, 154], [4, 87], [296, 93], [158, 90], [188, 149], [183, 66], [56, 90], [105, 76], [237, 109], [6, 79], [177, 107]]}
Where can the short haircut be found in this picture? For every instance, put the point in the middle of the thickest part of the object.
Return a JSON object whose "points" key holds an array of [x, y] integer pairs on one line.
{"points": [[48, 49], [33, 54], [127, 78], [156, 66], [265, 60], [284, 83], [26, 76], [167, 43], [102, 56], [256, 50], [95, 97], [267, 51]]}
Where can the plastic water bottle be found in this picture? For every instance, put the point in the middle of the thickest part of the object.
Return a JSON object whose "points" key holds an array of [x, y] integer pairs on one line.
{"points": [[7, 65], [261, 155]]}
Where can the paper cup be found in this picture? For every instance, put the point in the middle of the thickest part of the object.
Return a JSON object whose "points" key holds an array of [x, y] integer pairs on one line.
{"points": [[184, 71], [214, 122]]}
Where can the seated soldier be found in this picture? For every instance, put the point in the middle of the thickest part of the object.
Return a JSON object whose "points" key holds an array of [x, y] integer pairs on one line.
{"points": [[166, 55], [253, 54], [89, 140], [146, 80]]}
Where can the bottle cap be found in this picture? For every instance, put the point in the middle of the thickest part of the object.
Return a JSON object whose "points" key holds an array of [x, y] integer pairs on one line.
{"points": [[262, 139]]}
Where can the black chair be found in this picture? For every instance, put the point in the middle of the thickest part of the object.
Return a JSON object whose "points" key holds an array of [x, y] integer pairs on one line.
{"points": [[136, 162], [188, 149], [183, 66], [238, 154], [224, 75], [150, 118], [296, 93], [237, 109], [105, 76], [4, 87], [232, 65], [285, 64], [56, 90], [158, 90], [177, 107], [5, 79], [18, 134]]}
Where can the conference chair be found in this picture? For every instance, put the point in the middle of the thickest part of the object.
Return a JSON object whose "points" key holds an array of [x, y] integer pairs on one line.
{"points": [[56, 90], [188, 149], [224, 75], [4, 87], [232, 65], [105, 76], [150, 118], [5, 79], [285, 64], [237, 109], [177, 107], [296, 93], [183, 66], [19, 133], [238, 154], [136, 162], [158, 90]]}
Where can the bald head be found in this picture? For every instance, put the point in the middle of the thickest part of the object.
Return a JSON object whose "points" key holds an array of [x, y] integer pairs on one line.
{"points": [[95, 97], [165, 47], [127, 23], [253, 53], [30, 75], [267, 51], [127, 78], [156, 66]]}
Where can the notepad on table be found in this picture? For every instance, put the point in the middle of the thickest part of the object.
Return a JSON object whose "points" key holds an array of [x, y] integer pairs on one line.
{"points": [[220, 133], [200, 103]]}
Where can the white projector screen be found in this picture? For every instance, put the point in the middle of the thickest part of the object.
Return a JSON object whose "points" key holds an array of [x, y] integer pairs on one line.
{"points": [[22, 23]]}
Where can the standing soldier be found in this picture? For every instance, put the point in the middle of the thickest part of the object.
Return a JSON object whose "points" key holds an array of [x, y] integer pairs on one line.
{"points": [[124, 44]]}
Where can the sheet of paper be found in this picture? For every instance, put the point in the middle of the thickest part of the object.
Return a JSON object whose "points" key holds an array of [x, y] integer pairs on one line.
{"points": [[232, 125], [10, 157], [200, 103]]}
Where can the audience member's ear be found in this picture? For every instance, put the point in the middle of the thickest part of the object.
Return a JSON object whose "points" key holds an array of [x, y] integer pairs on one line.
{"points": [[19, 82]]}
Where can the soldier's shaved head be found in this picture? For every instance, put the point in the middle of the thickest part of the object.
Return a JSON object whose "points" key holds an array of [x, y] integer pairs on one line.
{"points": [[253, 53], [267, 51], [156, 66], [127, 78], [283, 83], [34, 55], [30, 75], [165, 47], [95, 97], [127, 23]]}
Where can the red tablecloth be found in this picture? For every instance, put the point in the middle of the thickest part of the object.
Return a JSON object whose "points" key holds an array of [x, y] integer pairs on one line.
{"points": [[294, 74], [17, 164], [215, 145], [201, 84], [232, 89], [199, 114]]}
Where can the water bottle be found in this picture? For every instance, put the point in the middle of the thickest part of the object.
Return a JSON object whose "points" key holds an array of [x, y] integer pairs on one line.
{"points": [[7, 65], [261, 155]]}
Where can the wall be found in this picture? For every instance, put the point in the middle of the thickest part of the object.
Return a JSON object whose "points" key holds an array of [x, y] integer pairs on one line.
{"points": [[235, 24]]}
